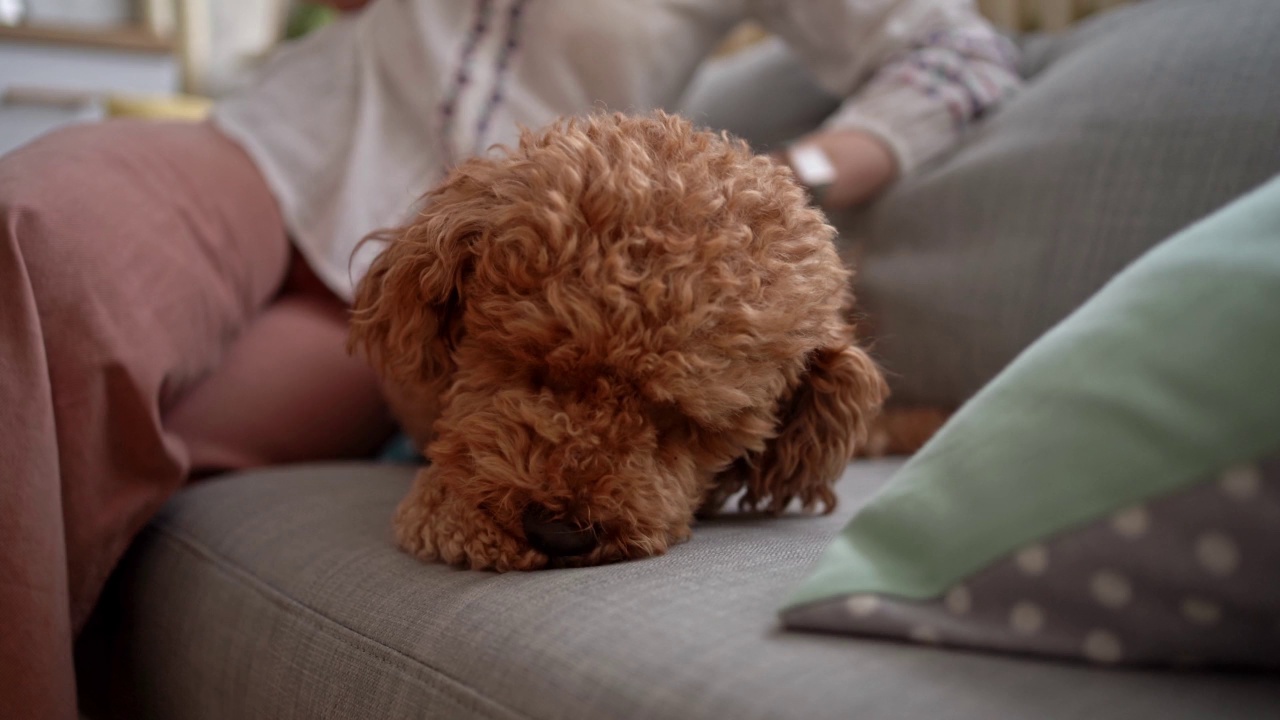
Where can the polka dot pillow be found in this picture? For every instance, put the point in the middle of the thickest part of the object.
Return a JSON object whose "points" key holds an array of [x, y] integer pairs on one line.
{"points": [[1114, 495]]}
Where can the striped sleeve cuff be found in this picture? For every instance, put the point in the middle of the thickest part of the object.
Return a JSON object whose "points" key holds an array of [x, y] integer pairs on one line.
{"points": [[920, 103]]}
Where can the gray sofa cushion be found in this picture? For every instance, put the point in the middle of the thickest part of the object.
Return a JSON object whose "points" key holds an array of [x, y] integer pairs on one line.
{"points": [[1131, 127], [279, 595]]}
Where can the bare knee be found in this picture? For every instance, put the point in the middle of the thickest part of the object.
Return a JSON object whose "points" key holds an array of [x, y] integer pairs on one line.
{"points": [[286, 391]]}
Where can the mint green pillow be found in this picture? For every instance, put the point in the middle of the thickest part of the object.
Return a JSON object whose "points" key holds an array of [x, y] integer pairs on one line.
{"points": [[1156, 400]]}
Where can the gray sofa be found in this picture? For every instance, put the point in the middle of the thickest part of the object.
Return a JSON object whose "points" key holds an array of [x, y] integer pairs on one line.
{"points": [[279, 594]]}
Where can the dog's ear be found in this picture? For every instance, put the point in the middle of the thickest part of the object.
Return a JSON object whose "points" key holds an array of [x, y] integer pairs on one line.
{"points": [[407, 307], [820, 425]]}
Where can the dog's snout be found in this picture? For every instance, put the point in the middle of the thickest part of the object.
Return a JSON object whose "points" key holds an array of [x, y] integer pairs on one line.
{"points": [[554, 536]]}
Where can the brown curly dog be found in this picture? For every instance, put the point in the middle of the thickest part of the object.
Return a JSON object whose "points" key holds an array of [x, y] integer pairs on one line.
{"points": [[625, 320]]}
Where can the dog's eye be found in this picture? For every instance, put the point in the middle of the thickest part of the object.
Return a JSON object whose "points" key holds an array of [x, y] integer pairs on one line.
{"points": [[668, 421], [538, 378], [542, 378]]}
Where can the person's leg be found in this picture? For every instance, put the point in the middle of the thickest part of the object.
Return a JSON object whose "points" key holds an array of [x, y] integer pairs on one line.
{"points": [[130, 254], [287, 390], [136, 261], [35, 616]]}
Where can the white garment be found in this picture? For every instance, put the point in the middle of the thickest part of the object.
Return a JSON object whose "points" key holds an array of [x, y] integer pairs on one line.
{"points": [[351, 125]]}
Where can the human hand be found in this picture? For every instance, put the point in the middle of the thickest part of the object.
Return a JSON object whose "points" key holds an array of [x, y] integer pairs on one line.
{"points": [[863, 163]]}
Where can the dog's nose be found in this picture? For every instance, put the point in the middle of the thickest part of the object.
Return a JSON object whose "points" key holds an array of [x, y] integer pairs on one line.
{"points": [[554, 536]]}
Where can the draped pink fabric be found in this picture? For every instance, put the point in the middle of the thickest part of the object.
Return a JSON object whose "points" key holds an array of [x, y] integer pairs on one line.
{"points": [[152, 322]]}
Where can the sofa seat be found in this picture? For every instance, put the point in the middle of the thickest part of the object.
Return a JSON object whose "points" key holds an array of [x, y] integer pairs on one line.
{"points": [[279, 594]]}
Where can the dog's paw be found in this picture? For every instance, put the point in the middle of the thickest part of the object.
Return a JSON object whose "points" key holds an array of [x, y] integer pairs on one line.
{"points": [[433, 526], [482, 546], [500, 553], [412, 532]]}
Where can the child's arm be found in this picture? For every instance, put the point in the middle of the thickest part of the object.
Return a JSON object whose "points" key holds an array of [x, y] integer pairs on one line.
{"points": [[915, 73]]}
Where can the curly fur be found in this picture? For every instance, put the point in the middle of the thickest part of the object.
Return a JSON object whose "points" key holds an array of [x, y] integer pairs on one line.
{"points": [[627, 320]]}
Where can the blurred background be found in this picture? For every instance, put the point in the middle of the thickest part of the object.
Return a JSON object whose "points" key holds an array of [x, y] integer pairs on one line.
{"points": [[73, 60], [68, 60]]}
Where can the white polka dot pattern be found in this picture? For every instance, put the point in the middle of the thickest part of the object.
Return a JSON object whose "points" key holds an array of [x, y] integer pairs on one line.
{"points": [[958, 600], [1241, 482], [1101, 646], [925, 634], [1131, 523], [1026, 618], [1217, 553], [1201, 612], [1033, 560], [1111, 589], [1183, 580], [862, 605]]}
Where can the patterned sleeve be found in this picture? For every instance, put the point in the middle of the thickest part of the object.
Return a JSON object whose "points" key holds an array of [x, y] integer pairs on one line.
{"points": [[916, 73]]}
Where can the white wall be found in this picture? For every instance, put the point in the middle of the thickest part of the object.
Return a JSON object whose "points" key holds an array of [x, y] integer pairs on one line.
{"points": [[80, 12], [60, 67]]}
